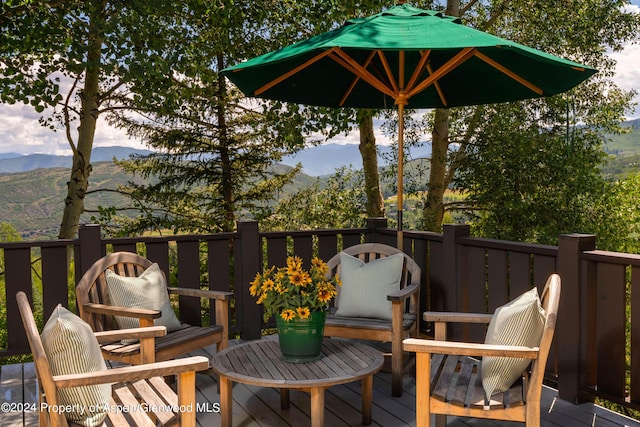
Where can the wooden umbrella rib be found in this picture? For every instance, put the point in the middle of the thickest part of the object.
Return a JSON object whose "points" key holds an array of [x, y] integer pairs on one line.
{"points": [[352, 65], [424, 56], [509, 73], [355, 80], [438, 88], [387, 69], [293, 71], [451, 64]]}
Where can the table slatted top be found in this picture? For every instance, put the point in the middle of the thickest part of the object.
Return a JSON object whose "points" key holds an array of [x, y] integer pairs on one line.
{"points": [[259, 363]]}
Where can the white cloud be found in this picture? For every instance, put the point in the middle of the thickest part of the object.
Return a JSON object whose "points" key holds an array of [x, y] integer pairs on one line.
{"points": [[628, 66]]}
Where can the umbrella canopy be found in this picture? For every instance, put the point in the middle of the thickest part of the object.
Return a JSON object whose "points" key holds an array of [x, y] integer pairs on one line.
{"points": [[405, 57]]}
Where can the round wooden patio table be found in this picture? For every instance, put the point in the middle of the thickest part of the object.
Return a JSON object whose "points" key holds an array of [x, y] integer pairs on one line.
{"points": [[259, 363]]}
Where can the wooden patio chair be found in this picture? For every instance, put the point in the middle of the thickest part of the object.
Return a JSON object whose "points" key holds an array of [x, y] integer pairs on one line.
{"points": [[404, 302], [448, 376], [139, 389], [95, 308]]}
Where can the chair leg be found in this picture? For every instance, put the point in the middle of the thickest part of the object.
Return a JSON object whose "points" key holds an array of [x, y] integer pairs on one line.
{"points": [[187, 398], [423, 393], [397, 366], [533, 414]]}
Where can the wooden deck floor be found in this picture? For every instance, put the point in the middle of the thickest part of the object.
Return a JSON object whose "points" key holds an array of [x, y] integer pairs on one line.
{"points": [[256, 406]]}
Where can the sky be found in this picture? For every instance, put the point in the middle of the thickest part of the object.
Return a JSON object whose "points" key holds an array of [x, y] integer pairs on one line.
{"points": [[20, 131]]}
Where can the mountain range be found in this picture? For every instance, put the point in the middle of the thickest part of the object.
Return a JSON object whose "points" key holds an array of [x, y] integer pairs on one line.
{"points": [[316, 161], [15, 162], [325, 159]]}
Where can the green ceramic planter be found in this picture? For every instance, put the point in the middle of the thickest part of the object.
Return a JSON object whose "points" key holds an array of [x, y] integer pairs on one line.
{"points": [[301, 340]]}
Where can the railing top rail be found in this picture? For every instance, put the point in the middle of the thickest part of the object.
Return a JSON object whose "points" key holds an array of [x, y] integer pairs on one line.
{"points": [[170, 238], [293, 233], [429, 235], [509, 246], [27, 244], [611, 257]]}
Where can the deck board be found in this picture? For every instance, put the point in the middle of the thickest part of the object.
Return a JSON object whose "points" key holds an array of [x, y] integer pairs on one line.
{"points": [[260, 407]]}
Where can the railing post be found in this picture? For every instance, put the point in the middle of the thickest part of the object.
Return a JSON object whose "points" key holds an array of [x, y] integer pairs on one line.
{"points": [[451, 290], [373, 225], [572, 315], [89, 248], [248, 256]]}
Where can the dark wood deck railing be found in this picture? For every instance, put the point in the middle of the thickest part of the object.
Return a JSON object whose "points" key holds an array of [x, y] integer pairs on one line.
{"points": [[596, 330]]}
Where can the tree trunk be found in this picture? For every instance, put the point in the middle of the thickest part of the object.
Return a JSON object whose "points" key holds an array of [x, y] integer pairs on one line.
{"points": [[225, 159], [81, 167], [434, 207], [375, 203]]}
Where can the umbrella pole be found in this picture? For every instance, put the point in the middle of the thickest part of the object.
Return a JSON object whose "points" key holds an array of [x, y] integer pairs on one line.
{"points": [[400, 242]]}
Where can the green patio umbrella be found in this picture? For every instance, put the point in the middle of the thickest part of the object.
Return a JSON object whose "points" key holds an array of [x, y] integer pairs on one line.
{"points": [[405, 57]]}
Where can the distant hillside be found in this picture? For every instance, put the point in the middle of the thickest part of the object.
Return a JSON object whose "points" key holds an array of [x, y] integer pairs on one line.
{"points": [[33, 201], [624, 151]]}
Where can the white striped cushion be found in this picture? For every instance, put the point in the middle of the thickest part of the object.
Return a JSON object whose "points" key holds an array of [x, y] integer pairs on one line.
{"points": [[149, 291], [519, 322], [72, 348], [365, 286]]}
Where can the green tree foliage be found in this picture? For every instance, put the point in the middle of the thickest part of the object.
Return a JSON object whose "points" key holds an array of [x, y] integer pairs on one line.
{"points": [[214, 148], [338, 203], [530, 183], [578, 29], [8, 233], [75, 61], [621, 212]]}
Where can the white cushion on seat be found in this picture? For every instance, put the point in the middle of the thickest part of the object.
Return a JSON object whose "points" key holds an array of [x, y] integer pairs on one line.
{"points": [[365, 286], [517, 323], [72, 348], [148, 291]]}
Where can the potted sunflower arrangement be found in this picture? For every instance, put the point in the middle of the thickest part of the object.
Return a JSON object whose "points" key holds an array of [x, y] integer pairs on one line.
{"points": [[299, 300]]}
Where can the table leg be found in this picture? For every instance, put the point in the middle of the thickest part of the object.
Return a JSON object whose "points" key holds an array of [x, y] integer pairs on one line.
{"points": [[284, 398], [226, 401], [317, 407], [367, 397]]}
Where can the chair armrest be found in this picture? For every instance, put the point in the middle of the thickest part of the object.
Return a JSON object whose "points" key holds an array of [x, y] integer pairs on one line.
{"points": [[201, 293], [468, 349], [453, 317], [128, 334], [403, 293], [138, 313], [133, 373]]}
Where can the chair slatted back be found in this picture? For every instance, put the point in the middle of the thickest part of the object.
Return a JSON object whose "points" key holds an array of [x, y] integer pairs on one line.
{"points": [[92, 288], [371, 251]]}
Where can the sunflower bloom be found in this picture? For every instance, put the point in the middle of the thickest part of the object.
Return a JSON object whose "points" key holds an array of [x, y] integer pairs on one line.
{"points": [[294, 264], [288, 314], [300, 278], [320, 266], [255, 285], [303, 312], [263, 296], [324, 295]]}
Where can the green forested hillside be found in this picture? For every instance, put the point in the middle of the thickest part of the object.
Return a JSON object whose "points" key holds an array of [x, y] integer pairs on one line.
{"points": [[624, 152], [33, 201]]}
